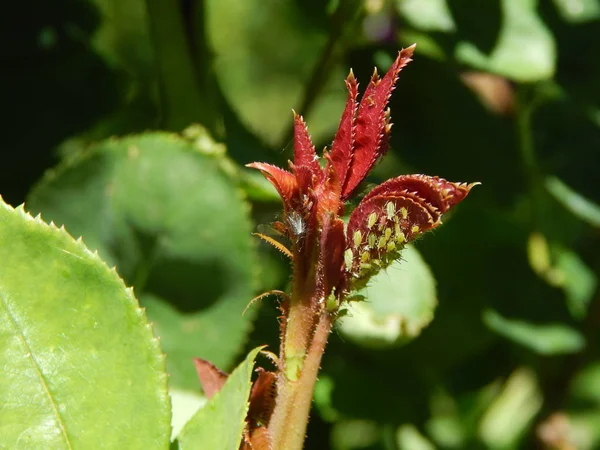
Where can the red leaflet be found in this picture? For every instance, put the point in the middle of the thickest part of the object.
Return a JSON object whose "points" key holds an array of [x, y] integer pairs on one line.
{"points": [[304, 151], [372, 123], [343, 143], [211, 378], [394, 213], [284, 181]]}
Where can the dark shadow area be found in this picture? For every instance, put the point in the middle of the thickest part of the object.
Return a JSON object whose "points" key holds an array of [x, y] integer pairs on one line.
{"points": [[53, 85], [477, 22]]}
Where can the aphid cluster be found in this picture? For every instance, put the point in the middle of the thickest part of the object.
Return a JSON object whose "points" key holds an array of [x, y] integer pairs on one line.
{"points": [[379, 237]]}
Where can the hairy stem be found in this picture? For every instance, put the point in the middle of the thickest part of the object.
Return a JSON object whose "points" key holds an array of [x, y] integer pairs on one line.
{"points": [[287, 427]]}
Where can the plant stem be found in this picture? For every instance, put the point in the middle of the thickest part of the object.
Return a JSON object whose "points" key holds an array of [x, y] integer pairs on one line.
{"points": [[287, 426]]}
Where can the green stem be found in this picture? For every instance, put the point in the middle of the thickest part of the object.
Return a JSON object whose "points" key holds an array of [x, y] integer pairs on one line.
{"points": [[287, 426], [524, 112]]}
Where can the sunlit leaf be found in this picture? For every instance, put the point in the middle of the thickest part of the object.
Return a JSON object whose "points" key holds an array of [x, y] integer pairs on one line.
{"points": [[578, 205], [219, 424], [525, 50], [578, 11], [400, 302], [80, 364], [171, 219], [409, 438], [253, 41], [507, 419], [550, 339], [563, 268], [579, 282], [428, 15]]}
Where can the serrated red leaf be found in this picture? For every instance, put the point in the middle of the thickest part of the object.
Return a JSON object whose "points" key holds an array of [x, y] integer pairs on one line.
{"points": [[211, 378], [284, 181], [304, 151], [343, 143], [262, 396], [372, 123], [436, 191], [331, 258]]}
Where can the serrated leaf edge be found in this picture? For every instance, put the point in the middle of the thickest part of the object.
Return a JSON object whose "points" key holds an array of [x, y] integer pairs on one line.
{"points": [[129, 294]]}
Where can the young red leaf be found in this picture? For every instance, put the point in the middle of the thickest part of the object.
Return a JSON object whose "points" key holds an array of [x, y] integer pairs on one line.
{"points": [[393, 214], [284, 181], [343, 143], [331, 257], [262, 397], [211, 378], [304, 150], [372, 123], [437, 192]]}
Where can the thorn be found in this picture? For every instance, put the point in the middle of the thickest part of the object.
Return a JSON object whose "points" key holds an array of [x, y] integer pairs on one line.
{"points": [[263, 295], [375, 76]]}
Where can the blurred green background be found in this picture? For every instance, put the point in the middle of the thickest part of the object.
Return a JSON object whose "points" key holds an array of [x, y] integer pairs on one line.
{"points": [[130, 122]]}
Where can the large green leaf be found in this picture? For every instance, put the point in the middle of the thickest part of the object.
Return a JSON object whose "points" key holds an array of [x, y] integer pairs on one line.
{"points": [[219, 424], [525, 49], [265, 53], [176, 226], [81, 368], [399, 303], [578, 11], [509, 416], [430, 15], [576, 203], [548, 339]]}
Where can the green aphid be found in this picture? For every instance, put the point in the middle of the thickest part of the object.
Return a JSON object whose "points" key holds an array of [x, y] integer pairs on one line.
{"points": [[404, 213], [400, 238], [388, 234], [366, 267], [357, 238], [371, 220], [372, 240], [397, 229], [415, 229], [348, 258], [332, 303], [381, 242], [391, 246], [390, 210], [365, 257]]}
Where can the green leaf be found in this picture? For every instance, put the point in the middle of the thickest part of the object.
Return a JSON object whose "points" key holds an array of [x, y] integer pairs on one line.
{"points": [[165, 212], [552, 339], [578, 11], [578, 282], [399, 303], [428, 15], [355, 434], [585, 387], [508, 418], [185, 405], [123, 37], [219, 424], [578, 205], [81, 365], [254, 41], [182, 97], [525, 50], [409, 438], [563, 268]]}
